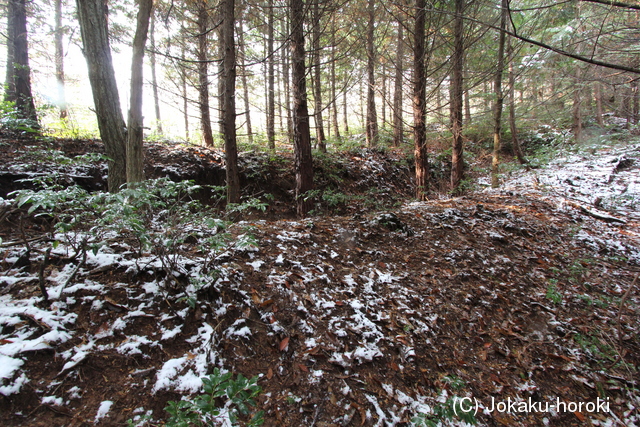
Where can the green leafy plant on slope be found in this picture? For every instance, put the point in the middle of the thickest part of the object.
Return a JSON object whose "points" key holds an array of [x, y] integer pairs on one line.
{"points": [[223, 399]]}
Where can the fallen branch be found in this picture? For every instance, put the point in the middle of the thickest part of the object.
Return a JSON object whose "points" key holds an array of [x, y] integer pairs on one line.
{"points": [[22, 242], [602, 216]]}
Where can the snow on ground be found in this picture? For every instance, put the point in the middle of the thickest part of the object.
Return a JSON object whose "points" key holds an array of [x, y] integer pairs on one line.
{"points": [[332, 298], [602, 176]]}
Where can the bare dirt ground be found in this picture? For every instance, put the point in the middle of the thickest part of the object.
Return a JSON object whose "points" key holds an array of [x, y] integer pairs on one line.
{"points": [[367, 314]]}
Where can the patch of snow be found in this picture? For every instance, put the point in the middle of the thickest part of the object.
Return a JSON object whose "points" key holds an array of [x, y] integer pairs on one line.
{"points": [[14, 386], [132, 345], [74, 392], [166, 374], [52, 400], [238, 329], [168, 334], [8, 366], [103, 410], [256, 264]]}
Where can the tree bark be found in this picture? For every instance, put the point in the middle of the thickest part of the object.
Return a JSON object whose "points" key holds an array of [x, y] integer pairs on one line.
{"points": [[512, 108], [397, 93], [301, 131], [372, 116], [322, 144], [271, 111], [345, 113], [203, 72], [383, 93], [286, 69], [59, 60], [598, 96], [420, 102], [185, 98], [135, 158], [577, 106], [497, 126], [95, 41], [18, 70], [9, 81], [245, 85], [228, 101], [457, 161], [154, 77], [334, 100]]}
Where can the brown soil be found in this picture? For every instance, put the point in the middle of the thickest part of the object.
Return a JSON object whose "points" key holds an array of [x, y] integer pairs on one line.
{"points": [[354, 314]]}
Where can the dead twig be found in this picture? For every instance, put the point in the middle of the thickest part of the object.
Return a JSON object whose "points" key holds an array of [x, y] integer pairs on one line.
{"points": [[73, 274], [22, 242], [43, 266]]}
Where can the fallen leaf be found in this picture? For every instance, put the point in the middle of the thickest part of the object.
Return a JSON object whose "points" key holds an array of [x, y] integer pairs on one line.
{"points": [[303, 368], [266, 303], [256, 299], [580, 416], [284, 344]]}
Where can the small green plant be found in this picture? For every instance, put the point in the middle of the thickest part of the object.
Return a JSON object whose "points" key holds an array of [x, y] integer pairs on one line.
{"points": [[10, 119], [552, 292], [455, 383], [253, 203], [224, 399], [595, 345], [139, 420], [447, 407]]}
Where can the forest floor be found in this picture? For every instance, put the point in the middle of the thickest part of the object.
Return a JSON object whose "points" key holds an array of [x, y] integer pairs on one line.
{"points": [[520, 300]]}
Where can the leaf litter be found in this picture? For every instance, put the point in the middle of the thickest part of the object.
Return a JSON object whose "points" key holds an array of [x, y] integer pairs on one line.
{"points": [[366, 319]]}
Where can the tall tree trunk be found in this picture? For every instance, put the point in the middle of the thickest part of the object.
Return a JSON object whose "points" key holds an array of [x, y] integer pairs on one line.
{"points": [[363, 102], [439, 105], [334, 100], [383, 92], [467, 100], [18, 70], [9, 81], [185, 99], [420, 102], [278, 83], [271, 113], [636, 101], [95, 41], [203, 72], [245, 86], [372, 116], [322, 144], [397, 91], [228, 101], [345, 113], [301, 130], [220, 79], [154, 77], [59, 60], [598, 97], [497, 126], [286, 70], [457, 161], [577, 105], [512, 108], [135, 158]]}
